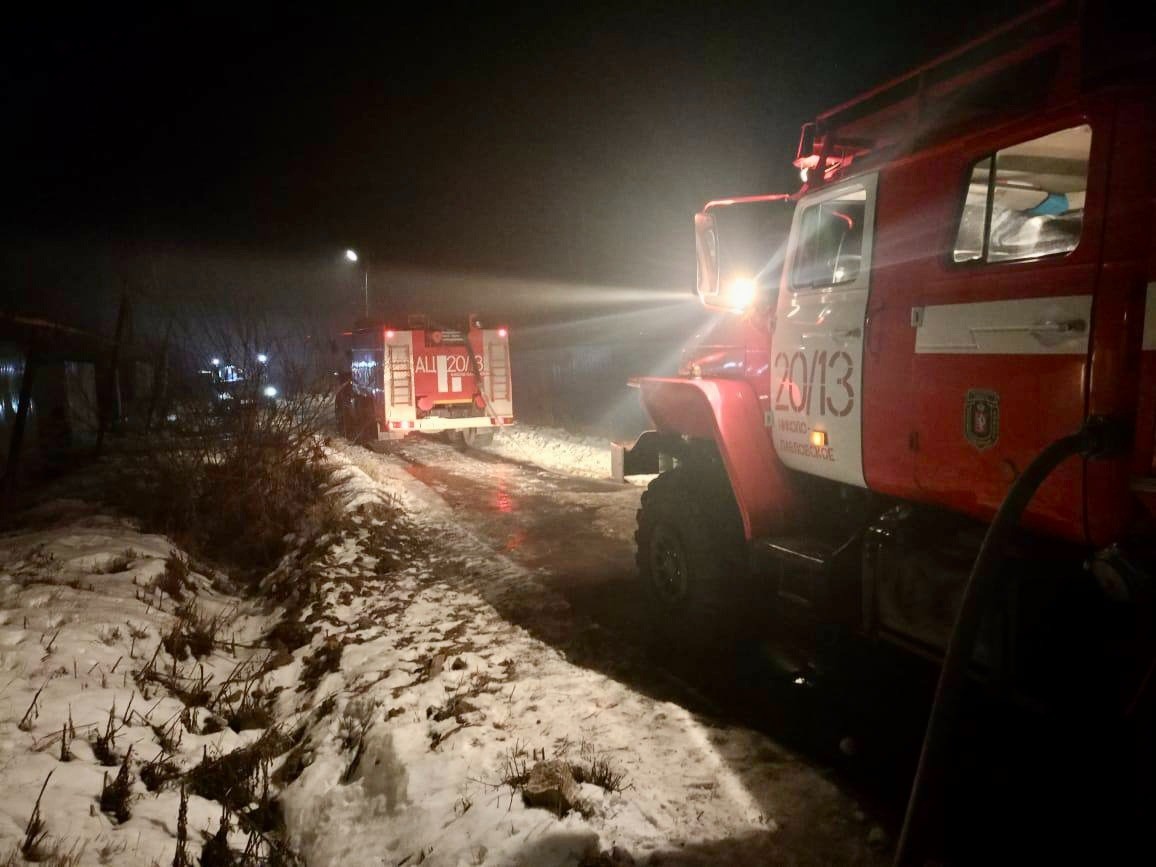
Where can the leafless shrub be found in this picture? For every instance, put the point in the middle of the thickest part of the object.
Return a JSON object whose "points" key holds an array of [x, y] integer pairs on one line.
{"points": [[233, 470], [33, 712], [50, 852], [516, 767], [109, 635], [120, 562], [194, 632], [115, 796], [175, 579], [598, 771], [159, 771], [104, 744], [234, 778], [66, 739], [241, 699], [216, 851], [181, 855], [34, 831]]}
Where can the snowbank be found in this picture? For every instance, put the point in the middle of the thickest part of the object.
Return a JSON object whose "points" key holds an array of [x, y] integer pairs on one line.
{"points": [[554, 449]]}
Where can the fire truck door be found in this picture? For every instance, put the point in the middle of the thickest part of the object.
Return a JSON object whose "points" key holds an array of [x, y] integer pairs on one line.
{"points": [[817, 348], [1001, 340]]}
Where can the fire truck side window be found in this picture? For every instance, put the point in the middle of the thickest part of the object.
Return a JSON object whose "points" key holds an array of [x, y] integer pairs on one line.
{"points": [[830, 244], [1031, 205]]}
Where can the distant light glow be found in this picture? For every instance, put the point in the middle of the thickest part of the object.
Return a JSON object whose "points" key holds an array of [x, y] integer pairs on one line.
{"points": [[270, 391], [262, 357], [502, 332], [351, 255], [803, 175], [390, 334], [216, 362]]}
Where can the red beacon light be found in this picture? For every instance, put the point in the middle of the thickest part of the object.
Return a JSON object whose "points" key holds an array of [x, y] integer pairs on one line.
{"points": [[390, 334], [503, 332]]}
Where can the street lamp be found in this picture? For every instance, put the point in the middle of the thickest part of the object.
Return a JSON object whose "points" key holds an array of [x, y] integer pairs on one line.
{"points": [[351, 256]]}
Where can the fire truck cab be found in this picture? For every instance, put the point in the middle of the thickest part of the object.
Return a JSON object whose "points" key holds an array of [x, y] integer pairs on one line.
{"points": [[426, 378], [969, 277]]}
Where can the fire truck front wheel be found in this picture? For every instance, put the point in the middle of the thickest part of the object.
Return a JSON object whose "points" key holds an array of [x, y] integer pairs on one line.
{"points": [[691, 555]]}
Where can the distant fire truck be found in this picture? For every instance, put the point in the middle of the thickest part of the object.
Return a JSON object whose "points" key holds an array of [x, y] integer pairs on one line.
{"points": [[939, 430], [426, 378]]}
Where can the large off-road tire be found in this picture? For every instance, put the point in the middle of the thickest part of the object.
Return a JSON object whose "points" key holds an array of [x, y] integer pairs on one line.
{"points": [[476, 437], [692, 557]]}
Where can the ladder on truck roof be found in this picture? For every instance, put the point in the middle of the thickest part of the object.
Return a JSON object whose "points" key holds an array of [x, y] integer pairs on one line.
{"points": [[1036, 60]]}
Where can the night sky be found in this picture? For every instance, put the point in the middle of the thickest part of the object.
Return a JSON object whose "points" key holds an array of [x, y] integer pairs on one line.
{"points": [[174, 151]]}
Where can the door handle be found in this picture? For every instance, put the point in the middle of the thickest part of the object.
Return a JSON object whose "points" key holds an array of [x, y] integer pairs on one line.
{"points": [[1050, 332], [834, 334], [1050, 326], [1059, 326]]}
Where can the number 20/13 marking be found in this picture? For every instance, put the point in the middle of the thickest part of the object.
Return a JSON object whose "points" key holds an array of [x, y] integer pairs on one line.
{"points": [[828, 374]]}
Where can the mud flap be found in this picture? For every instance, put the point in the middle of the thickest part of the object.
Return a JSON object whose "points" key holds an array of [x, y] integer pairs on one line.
{"points": [[640, 458]]}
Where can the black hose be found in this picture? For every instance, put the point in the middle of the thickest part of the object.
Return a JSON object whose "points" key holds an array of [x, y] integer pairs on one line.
{"points": [[1096, 437]]}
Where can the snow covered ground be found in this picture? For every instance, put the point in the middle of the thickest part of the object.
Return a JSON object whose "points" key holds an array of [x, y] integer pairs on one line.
{"points": [[408, 711], [83, 612]]}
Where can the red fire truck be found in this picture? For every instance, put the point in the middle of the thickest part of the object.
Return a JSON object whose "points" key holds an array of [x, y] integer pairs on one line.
{"points": [[427, 378], [939, 431]]}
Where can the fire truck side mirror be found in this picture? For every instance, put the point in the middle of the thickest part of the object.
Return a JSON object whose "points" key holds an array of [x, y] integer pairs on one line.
{"points": [[740, 245], [706, 243]]}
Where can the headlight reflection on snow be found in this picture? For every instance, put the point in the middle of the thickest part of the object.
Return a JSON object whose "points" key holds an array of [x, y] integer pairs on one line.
{"points": [[502, 497]]}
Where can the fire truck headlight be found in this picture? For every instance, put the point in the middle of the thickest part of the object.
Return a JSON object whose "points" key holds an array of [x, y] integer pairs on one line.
{"points": [[742, 292], [270, 391]]}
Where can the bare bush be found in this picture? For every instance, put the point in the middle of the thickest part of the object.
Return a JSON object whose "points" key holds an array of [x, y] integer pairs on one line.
{"points": [[236, 459]]}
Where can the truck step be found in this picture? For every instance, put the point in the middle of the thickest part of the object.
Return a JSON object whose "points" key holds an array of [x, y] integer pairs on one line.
{"points": [[798, 552]]}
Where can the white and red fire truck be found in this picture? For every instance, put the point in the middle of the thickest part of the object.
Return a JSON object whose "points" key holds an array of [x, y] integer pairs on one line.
{"points": [[938, 429], [427, 378]]}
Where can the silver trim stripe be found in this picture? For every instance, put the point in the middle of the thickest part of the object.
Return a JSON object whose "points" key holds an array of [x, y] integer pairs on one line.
{"points": [[1017, 326]]}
